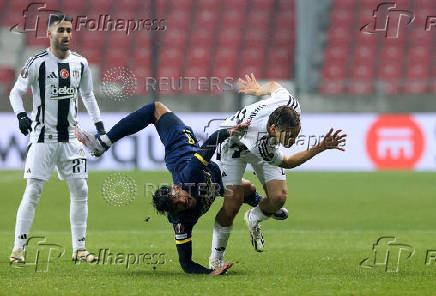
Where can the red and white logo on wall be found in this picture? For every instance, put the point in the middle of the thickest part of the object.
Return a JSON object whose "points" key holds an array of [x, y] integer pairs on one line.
{"points": [[395, 141]]}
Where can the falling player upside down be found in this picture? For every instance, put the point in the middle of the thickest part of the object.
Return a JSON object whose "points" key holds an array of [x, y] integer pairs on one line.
{"points": [[197, 179]]}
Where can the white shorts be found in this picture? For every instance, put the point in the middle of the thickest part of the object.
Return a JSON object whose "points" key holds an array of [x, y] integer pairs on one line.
{"points": [[68, 158], [233, 168]]}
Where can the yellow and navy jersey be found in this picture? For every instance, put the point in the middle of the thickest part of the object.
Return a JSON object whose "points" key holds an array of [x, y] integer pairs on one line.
{"points": [[201, 177]]}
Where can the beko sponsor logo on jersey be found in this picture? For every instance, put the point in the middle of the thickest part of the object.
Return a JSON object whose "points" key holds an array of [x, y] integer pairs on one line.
{"points": [[61, 93]]}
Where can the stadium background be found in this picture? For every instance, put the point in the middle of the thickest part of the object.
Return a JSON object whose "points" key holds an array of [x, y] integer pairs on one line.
{"points": [[315, 48], [379, 90]]}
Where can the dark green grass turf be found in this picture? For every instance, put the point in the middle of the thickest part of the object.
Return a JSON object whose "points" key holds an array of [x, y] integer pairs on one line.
{"points": [[334, 220]]}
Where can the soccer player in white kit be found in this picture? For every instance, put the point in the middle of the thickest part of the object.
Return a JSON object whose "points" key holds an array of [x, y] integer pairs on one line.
{"points": [[274, 121], [55, 76]]}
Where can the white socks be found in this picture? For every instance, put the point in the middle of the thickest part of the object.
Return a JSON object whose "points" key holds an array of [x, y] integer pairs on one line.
{"points": [[105, 139], [255, 216], [26, 211], [220, 237], [78, 211]]}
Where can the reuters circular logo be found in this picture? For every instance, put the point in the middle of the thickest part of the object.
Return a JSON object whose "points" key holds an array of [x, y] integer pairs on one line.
{"points": [[64, 73], [395, 142]]}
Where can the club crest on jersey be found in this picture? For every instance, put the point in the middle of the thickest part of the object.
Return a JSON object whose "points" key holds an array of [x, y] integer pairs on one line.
{"points": [[75, 73], [24, 73], [179, 228], [64, 73]]}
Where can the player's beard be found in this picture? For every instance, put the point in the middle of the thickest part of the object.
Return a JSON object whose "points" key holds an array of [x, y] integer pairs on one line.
{"points": [[60, 46]]}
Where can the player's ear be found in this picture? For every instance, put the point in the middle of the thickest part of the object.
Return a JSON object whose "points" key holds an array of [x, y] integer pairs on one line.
{"points": [[272, 129]]}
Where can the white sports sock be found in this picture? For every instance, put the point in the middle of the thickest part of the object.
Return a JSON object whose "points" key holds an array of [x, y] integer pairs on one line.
{"points": [[78, 211], [26, 211], [256, 215], [220, 237], [106, 140]]}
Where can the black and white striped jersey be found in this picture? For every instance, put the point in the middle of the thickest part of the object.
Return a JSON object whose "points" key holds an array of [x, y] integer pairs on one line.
{"points": [[55, 84], [256, 139]]}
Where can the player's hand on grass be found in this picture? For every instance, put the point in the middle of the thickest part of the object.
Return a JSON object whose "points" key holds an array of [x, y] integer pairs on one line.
{"points": [[239, 129], [333, 141], [223, 269], [24, 122], [249, 86]]}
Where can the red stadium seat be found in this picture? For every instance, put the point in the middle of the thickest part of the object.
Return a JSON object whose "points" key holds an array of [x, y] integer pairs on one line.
{"points": [[418, 71], [236, 4], [360, 87], [74, 6], [208, 4], [230, 36], [332, 87], [92, 54], [7, 78], [185, 5], [334, 72], [363, 71], [416, 87], [390, 71], [100, 6], [390, 87]]}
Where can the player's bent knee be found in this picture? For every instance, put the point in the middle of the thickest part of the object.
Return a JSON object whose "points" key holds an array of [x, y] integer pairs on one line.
{"points": [[159, 110], [34, 187], [78, 187], [248, 187], [279, 199]]}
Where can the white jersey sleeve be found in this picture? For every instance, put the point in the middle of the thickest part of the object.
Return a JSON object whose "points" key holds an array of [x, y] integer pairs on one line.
{"points": [[87, 94], [283, 95], [24, 81]]}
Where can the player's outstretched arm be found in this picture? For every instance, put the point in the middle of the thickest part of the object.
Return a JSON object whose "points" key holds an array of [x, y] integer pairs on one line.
{"points": [[249, 86], [330, 142], [189, 266]]}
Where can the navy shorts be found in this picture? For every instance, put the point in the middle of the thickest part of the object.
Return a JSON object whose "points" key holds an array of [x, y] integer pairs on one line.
{"points": [[179, 141]]}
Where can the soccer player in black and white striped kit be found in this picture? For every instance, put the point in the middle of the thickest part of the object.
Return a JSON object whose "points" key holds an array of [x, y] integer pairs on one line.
{"points": [[55, 75]]}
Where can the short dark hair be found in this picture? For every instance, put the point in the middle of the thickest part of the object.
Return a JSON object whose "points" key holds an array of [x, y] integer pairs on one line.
{"points": [[284, 117], [161, 199], [58, 18]]}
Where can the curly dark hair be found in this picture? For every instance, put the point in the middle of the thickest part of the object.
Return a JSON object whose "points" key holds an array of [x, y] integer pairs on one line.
{"points": [[161, 199], [284, 117]]}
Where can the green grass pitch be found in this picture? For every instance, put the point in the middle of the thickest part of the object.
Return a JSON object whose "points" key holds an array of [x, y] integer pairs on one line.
{"points": [[335, 218]]}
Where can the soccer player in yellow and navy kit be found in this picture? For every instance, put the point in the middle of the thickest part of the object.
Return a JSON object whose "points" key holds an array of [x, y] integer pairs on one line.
{"points": [[197, 179]]}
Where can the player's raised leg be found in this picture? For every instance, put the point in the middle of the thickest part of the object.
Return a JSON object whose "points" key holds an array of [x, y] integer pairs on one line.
{"points": [[271, 204], [129, 125]]}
